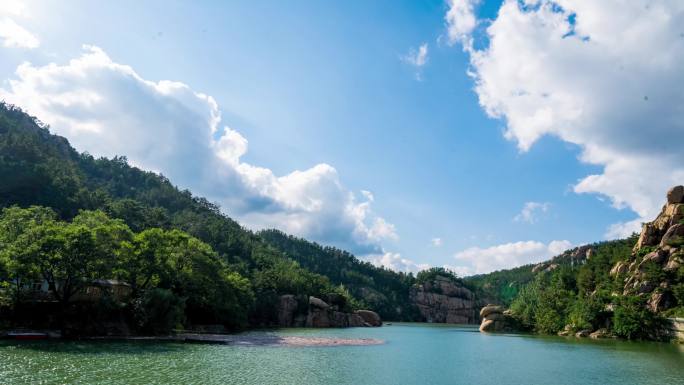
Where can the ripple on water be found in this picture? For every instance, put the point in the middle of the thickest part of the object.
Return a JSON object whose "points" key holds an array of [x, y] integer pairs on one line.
{"points": [[412, 354]]}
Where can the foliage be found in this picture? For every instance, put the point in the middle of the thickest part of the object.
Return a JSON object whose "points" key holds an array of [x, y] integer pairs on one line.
{"points": [[501, 286], [632, 320], [578, 294], [430, 274], [364, 284], [159, 311], [154, 226], [70, 256]]}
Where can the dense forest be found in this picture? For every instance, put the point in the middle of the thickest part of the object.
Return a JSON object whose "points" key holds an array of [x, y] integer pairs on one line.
{"points": [[70, 220], [576, 293], [46, 184]]}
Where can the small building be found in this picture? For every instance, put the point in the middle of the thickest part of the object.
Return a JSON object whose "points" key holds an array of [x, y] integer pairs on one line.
{"points": [[40, 291]]}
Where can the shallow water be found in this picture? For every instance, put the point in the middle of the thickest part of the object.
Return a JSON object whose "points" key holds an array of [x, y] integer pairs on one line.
{"points": [[412, 354]]}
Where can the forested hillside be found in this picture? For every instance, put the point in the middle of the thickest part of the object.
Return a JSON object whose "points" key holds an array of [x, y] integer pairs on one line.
{"points": [[386, 291], [623, 288], [43, 170]]}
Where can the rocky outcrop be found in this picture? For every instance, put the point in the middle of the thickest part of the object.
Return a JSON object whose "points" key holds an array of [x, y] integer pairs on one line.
{"points": [[652, 233], [317, 313], [660, 247], [369, 317], [601, 333], [572, 257], [495, 319], [287, 307], [444, 300], [676, 329]]}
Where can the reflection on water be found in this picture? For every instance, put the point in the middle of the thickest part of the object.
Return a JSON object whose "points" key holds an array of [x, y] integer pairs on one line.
{"points": [[413, 354]]}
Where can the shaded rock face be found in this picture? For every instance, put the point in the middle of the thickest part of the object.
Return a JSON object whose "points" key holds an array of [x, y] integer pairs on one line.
{"points": [[444, 301], [495, 319], [321, 314], [287, 306], [660, 244], [370, 317]]}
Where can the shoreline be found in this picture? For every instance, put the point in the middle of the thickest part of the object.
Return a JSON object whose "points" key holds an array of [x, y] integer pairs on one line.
{"points": [[246, 340]]}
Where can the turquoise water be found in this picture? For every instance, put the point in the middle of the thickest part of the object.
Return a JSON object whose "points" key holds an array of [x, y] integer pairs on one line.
{"points": [[412, 354]]}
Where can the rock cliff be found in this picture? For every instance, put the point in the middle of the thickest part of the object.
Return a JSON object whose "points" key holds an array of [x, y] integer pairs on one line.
{"points": [[658, 253], [317, 313], [444, 300]]}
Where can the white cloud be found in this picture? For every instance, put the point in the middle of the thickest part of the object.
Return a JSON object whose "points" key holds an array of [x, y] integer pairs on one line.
{"points": [[395, 262], [107, 109], [476, 260], [417, 58], [436, 242], [14, 35], [604, 75], [11, 33], [13, 7], [531, 212], [461, 21]]}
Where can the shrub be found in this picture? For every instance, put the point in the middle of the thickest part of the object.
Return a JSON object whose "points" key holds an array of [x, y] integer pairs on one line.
{"points": [[159, 311], [632, 320]]}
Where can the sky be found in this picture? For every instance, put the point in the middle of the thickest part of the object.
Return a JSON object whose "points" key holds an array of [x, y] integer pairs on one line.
{"points": [[474, 135]]}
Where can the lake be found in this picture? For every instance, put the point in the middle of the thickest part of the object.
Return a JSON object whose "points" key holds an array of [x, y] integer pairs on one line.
{"points": [[412, 354]]}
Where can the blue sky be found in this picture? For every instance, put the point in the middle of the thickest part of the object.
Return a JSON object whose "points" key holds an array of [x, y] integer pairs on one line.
{"points": [[308, 83]]}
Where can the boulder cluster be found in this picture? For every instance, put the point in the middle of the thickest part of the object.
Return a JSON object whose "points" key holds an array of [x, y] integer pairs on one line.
{"points": [[660, 243], [317, 313], [496, 319], [444, 301], [600, 333]]}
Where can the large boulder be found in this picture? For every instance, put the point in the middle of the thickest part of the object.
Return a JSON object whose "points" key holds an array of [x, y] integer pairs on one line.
{"points": [[620, 267], [489, 309], [676, 194], [488, 326], [370, 317], [318, 318], [354, 320], [287, 306], [601, 333], [495, 319], [660, 301], [318, 303], [339, 319], [671, 214], [673, 235], [658, 256]]}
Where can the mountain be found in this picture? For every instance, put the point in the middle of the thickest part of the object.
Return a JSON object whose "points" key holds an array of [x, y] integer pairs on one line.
{"points": [[625, 288], [38, 168], [383, 290]]}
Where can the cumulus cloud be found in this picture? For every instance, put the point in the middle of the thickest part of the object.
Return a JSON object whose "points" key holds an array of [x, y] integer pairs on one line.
{"points": [[531, 212], [11, 33], [107, 109], [417, 58], [476, 260], [395, 262], [461, 22], [436, 242], [603, 75]]}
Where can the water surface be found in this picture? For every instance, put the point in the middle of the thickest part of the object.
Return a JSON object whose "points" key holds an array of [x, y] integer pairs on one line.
{"points": [[412, 354]]}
